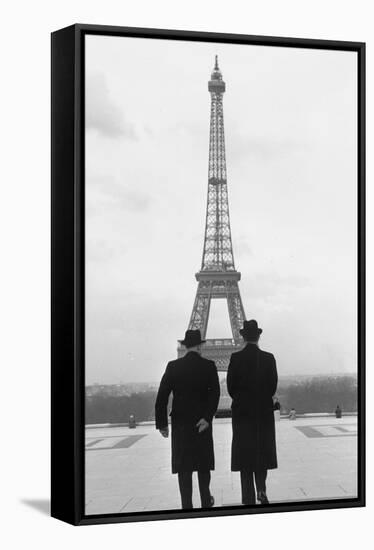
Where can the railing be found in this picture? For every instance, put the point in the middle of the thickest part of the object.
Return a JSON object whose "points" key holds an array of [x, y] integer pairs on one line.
{"points": [[221, 342], [217, 343]]}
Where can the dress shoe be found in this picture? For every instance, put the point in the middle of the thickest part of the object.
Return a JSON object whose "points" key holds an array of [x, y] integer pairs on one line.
{"points": [[262, 498]]}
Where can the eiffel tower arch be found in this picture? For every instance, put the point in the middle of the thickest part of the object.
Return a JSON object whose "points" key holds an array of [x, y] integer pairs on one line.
{"points": [[217, 277]]}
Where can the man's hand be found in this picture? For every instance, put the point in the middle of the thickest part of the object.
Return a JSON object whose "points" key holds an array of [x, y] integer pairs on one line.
{"points": [[202, 425], [164, 432]]}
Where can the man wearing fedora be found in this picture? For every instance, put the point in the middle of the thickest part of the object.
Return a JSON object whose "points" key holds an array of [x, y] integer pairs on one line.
{"points": [[194, 383], [252, 382]]}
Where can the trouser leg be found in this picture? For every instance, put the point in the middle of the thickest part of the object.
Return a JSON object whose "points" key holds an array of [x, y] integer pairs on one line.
{"points": [[260, 477], [248, 487], [185, 489], [204, 481]]}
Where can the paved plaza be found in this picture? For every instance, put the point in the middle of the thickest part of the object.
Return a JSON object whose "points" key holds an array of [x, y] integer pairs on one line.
{"points": [[128, 470]]}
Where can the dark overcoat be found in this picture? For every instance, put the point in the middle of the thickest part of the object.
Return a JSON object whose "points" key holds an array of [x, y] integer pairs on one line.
{"points": [[194, 383], [252, 382]]}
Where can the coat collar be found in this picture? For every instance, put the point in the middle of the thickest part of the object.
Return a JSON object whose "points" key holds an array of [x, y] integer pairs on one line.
{"points": [[250, 346], [192, 353]]}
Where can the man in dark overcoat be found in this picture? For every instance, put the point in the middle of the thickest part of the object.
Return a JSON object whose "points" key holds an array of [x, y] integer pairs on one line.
{"points": [[252, 382], [194, 383]]}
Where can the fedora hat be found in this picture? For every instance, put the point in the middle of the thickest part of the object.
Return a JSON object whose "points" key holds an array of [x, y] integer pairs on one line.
{"points": [[192, 338], [250, 329]]}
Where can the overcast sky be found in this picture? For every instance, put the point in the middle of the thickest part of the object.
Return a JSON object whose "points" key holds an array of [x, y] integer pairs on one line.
{"points": [[290, 125]]}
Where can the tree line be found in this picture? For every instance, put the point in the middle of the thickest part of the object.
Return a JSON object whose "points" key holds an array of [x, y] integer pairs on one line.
{"points": [[319, 394], [102, 408]]}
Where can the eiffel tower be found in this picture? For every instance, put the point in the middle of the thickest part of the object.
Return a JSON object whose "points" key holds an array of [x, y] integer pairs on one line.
{"points": [[217, 277]]}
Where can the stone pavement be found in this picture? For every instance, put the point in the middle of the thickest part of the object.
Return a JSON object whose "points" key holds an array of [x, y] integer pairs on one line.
{"points": [[128, 470]]}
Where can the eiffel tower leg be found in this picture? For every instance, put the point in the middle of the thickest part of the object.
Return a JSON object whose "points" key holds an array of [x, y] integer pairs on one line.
{"points": [[236, 310], [201, 308]]}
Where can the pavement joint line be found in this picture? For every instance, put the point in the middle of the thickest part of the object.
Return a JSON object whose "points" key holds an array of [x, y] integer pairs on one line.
{"points": [[93, 442], [124, 506]]}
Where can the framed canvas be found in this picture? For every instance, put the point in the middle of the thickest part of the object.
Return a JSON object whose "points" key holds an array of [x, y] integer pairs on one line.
{"points": [[208, 320]]}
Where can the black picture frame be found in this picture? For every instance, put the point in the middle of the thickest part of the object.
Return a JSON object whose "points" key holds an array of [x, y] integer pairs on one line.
{"points": [[68, 271]]}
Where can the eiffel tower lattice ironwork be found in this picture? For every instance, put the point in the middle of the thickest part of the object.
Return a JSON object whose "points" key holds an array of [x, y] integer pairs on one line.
{"points": [[217, 277]]}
